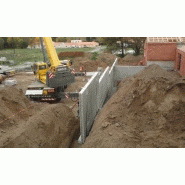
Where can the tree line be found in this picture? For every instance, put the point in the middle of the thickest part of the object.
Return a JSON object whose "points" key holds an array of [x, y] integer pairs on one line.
{"points": [[121, 43], [24, 42], [112, 43]]}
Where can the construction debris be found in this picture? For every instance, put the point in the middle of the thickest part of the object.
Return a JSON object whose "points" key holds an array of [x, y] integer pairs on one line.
{"points": [[10, 82]]}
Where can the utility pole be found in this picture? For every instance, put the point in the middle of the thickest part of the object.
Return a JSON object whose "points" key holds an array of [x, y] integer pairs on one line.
{"points": [[14, 50]]}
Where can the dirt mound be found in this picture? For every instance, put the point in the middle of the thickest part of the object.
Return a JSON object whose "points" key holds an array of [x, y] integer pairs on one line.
{"points": [[139, 58], [12, 102], [148, 110], [130, 59], [154, 71], [103, 60], [55, 126], [77, 85], [26, 124], [106, 58]]}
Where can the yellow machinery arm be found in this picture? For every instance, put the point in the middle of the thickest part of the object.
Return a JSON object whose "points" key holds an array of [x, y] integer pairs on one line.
{"points": [[51, 51]]}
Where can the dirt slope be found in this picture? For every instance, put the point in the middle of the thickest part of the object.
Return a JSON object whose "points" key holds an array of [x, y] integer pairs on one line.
{"points": [[130, 60], [103, 60], [148, 110], [26, 125]]}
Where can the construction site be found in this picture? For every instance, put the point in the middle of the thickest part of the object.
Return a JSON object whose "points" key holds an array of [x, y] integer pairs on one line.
{"points": [[110, 102]]}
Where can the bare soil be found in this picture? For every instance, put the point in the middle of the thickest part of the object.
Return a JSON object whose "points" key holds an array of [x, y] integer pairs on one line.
{"points": [[103, 60], [25, 124], [130, 60], [24, 79], [147, 111]]}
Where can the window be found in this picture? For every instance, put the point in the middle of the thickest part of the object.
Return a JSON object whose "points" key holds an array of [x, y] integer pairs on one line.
{"points": [[42, 67]]}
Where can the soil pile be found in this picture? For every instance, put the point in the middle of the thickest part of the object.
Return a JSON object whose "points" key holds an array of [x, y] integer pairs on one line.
{"points": [[103, 60], [148, 110], [13, 101], [27, 125], [130, 59], [77, 85]]}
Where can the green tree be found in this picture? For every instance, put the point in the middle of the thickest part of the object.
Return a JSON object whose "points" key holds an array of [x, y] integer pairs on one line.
{"points": [[5, 42], [11, 42], [61, 39], [54, 39], [137, 43], [1, 43], [113, 43], [99, 40], [18, 42], [90, 39]]}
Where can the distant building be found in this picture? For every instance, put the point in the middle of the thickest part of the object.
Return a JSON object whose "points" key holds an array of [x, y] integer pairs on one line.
{"points": [[76, 41], [74, 44], [81, 44]]}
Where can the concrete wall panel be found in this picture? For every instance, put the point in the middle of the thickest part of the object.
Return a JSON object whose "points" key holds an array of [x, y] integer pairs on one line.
{"points": [[122, 72], [88, 105], [111, 75], [104, 85], [167, 65]]}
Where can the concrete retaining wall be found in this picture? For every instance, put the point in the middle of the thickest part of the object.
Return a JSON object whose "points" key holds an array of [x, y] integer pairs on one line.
{"points": [[167, 65], [104, 86], [112, 77], [88, 106], [122, 72], [92, 98], [97, 90]]}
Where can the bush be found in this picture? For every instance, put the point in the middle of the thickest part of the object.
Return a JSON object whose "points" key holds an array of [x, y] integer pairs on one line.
{"points": [[64, 55], [94, 56], [61, 39]]}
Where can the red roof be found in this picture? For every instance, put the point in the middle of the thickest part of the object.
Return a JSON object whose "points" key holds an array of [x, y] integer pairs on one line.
{"points": [[75, 44], [166, 39]]}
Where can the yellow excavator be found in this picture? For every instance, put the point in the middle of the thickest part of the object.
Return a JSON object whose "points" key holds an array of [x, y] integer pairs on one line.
{"points": [[52, 77]]}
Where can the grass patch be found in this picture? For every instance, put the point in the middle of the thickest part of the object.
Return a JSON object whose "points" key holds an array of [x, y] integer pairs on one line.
{"points": [[31, 55], [94, 55]]}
